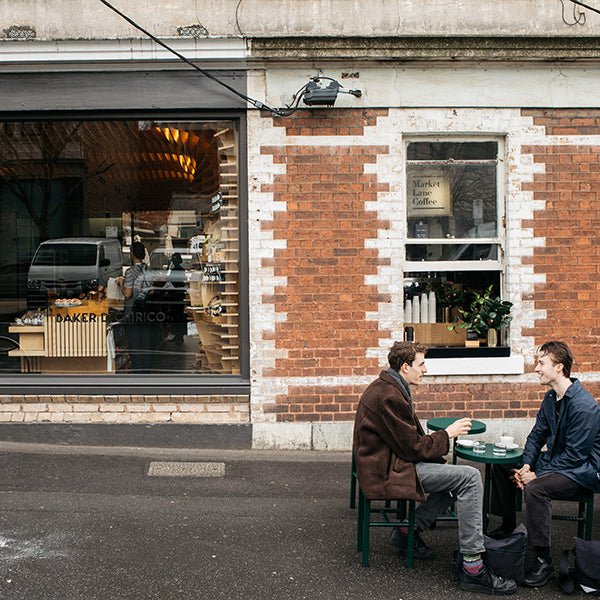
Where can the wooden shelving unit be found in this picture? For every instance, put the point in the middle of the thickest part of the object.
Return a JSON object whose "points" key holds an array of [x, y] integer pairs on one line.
{"points": [[218, 332]]}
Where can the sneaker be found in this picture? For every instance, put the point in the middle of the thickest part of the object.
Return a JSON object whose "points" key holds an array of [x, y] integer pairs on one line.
{"points": [[486, 582], [420, 549], [540, 574]]}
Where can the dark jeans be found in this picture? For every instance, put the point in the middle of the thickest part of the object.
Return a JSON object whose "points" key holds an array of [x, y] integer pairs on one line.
{"points": [[538, 493], [140, 340]]}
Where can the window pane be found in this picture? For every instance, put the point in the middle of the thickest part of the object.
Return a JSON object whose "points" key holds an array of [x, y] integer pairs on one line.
{"points": [[451, 201], [435, 252], [452, 150], [432, 301], [75, 198]]}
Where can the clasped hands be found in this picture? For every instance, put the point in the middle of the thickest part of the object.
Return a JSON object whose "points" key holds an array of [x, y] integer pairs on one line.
{"points": [[523, 476]]}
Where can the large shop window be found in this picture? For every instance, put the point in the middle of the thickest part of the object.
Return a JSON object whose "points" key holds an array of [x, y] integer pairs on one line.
{"points": [[454, 247], [119, 247]]}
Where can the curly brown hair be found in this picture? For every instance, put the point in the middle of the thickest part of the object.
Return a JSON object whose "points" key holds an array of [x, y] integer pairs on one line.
{"points": [[404, 352]]}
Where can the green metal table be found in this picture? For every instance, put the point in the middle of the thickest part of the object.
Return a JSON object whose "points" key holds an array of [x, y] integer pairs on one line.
{"points": [[438, 423], [443, 422], [488, 458]]}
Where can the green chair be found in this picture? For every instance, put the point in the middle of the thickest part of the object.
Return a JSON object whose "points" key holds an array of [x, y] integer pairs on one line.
{"points": [[353, 480], [377, 513], [585, 516]]}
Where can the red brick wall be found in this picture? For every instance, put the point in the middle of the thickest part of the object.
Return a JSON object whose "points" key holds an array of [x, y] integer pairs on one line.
{"points": [[570, 223], [325, 225], [325, 261], [477, 400]]}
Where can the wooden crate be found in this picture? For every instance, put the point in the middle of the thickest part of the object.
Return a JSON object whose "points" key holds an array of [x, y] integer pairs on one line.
{"points": [[438, 334]]}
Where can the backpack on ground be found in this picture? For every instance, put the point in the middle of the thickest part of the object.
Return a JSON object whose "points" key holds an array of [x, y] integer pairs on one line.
{"points": [[585, 573], [506, 557]]}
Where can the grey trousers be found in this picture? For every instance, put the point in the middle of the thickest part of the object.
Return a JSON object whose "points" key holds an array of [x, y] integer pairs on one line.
{"points": [[446, 483]]}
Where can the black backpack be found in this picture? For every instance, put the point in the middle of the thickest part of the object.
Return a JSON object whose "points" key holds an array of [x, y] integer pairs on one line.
{"points": [[585, 573], [506, 557]]}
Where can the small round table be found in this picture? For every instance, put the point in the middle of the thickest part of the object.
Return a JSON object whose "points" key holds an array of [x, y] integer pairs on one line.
{"points": [[443, 422], [438, 423], [488, 458]]}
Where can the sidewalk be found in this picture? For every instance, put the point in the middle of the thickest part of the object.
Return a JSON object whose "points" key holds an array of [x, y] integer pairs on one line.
{"points": [[90, 523]]}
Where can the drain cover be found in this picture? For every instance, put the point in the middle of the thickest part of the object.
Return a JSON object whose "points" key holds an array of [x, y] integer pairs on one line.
{"points": [[186, 469]]}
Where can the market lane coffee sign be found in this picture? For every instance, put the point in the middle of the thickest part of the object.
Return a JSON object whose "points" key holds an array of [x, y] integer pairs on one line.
{"points": [[428, 195]]}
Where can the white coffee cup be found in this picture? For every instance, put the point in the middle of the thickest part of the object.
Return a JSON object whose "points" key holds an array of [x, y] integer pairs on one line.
{"points": [[507, 439]]}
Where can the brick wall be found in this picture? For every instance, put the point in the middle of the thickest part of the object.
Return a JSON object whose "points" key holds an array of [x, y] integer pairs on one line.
{"points": [[325, 187], [325, 260], [124, 409], [570, 224]]}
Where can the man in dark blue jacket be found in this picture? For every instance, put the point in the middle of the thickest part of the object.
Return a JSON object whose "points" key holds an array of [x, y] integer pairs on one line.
{"points": [[568, 424]]}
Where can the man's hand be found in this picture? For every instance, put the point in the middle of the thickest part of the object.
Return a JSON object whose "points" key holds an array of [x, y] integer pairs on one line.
{"points": [[523, 476], [459, 427]]}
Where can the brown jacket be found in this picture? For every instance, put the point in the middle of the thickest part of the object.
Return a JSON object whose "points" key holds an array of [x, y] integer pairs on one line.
{"points": [[389, 440]]}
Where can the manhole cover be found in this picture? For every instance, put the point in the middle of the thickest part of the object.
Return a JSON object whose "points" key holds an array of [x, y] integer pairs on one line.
{"points": [[186, 469]]}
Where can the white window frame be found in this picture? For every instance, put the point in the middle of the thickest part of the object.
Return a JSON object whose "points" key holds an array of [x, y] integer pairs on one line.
{"points": [[499, 240], [510, 365]]}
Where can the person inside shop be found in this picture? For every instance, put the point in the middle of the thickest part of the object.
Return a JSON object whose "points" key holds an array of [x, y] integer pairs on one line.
{"points": [[395, 459], [138, 330], [568, 426], [179, 325]]}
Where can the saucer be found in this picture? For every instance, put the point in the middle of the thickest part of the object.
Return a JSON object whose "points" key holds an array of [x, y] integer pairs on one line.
{"points": [[465, 443], [510, 446]]}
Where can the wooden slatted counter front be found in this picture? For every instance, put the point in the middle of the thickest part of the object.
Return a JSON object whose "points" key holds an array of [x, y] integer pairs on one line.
{"points": [[71, 340]]}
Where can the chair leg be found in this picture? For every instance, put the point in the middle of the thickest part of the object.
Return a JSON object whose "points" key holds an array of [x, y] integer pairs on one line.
{"points": [[581, 524], [411, 534], [353, 484], [366, 531], [589, 518], [359, 520], [401, 506]]}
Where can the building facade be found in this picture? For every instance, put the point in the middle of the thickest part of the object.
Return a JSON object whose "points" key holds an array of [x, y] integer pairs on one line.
{"points": [[307, 242]]}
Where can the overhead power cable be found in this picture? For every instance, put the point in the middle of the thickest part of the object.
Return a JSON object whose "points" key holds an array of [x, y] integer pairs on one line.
{"points": [[279, 112], [596, 10]]}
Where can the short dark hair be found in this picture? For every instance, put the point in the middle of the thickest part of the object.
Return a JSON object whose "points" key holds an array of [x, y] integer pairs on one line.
{"points": [[138, 250], [404, 352], [559, 353]]}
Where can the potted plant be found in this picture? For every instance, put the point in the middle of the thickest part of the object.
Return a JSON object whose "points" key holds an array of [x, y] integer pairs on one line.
{"points": [[485, 315], [449, 295]]}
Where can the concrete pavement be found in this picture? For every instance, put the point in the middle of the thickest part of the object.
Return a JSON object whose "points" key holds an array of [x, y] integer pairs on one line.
{"points": [[90, 523]]}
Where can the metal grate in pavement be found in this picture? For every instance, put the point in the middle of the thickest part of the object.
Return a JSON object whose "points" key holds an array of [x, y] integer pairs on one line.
{"points": [[186, 469]]}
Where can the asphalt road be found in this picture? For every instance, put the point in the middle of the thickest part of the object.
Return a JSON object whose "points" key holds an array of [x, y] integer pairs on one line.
{"points": [[90, 523]]}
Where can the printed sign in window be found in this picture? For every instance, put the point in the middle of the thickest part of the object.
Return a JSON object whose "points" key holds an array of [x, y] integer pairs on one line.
{"points": [[428, 195]]}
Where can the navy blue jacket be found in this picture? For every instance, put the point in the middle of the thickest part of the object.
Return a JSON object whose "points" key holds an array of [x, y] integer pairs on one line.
{"points": [[573, 442]]}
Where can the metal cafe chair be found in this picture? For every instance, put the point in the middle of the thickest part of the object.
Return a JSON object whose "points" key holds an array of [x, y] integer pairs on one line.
{"points": [[379, 513]]}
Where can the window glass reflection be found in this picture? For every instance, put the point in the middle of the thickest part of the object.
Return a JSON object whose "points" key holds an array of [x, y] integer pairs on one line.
{"points": [[75, 199]]}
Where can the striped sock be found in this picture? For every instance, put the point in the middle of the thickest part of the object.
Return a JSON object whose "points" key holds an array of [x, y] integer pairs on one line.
{"points": [[404, 530], [472, 563]]}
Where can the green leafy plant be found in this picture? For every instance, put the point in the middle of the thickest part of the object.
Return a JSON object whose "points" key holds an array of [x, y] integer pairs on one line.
{"points": [[484, 312], [449, 294]]}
